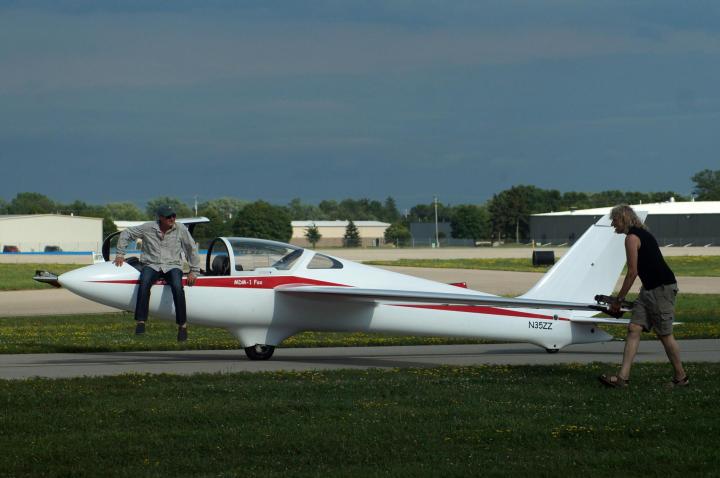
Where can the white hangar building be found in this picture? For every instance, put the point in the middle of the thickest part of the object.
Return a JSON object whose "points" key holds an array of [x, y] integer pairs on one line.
{"points": [[692, 223], [56, 232], [372, 233]]}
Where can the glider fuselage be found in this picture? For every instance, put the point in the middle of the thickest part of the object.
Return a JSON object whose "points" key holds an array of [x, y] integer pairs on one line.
{"points": [[251, 306]]}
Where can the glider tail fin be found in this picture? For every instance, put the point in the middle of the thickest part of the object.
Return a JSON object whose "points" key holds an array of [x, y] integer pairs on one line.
{"points": [[591, 266]]}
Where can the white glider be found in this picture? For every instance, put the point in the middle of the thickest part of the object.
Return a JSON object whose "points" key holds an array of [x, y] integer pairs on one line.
{"points": [[264, 292]]}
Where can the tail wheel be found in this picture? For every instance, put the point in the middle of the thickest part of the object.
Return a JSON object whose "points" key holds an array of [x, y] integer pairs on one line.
{"points": [[259, 352]]}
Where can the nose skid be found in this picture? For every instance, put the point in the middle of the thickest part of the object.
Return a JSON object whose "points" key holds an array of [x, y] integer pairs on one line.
{"points": [[47, 277]]}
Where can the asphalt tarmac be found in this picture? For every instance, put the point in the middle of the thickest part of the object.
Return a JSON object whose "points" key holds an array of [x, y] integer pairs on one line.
{"points": [[23, 366]]}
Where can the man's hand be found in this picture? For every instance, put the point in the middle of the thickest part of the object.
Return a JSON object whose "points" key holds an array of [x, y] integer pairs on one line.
{"points": [[615, 306], [191, 279], [119, 261]]}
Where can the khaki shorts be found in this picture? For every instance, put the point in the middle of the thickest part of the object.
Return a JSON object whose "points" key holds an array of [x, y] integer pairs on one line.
{"points": [[655, 309]]}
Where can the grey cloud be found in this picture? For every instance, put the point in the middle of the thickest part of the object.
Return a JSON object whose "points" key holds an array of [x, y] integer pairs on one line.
{"points": [[331, 99], [99, 50]]}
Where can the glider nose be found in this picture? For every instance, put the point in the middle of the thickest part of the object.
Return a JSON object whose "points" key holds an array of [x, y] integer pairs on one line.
{"points": [[103, 282], [72, 280], [88, 278]]}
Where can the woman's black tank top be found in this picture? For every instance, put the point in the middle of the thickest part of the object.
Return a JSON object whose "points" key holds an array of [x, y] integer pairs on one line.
{"points": [[652, 268]]}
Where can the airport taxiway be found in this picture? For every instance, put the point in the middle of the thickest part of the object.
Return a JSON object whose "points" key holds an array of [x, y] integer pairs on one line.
{"points": [[23, 366]]}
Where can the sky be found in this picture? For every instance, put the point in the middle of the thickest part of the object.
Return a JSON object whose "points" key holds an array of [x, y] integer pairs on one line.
{"points": [[110, 101]]}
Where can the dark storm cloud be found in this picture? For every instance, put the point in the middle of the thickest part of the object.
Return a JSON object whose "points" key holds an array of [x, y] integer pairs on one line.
{"points": [[328, 99]]}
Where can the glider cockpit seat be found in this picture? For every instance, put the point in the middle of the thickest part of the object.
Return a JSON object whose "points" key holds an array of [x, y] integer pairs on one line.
{"points": [[220, 266]]}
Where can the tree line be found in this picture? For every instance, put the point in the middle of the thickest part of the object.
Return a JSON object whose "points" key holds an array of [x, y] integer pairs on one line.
{"points": [[503, 217]]}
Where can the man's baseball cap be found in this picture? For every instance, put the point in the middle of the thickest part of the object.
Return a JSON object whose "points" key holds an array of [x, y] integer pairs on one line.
{"points": [[166, 211]]}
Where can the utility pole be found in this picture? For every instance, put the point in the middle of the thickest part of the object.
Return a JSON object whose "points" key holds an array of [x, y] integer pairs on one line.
{"points": [[437, 234], [196, 205]]}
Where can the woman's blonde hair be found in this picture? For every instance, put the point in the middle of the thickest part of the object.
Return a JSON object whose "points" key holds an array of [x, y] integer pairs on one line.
{"points": [[625, 218]]}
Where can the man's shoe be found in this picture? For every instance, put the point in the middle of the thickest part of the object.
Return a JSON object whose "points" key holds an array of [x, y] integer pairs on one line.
{"points": [[675, 383], [182, 334], [140, 328]]}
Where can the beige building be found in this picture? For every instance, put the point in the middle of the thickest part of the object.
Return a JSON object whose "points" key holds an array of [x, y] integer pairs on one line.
{"points": [[372, 233], [52, 232]]}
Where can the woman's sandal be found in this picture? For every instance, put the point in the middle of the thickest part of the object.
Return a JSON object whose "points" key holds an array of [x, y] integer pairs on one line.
{"points": [[613, 381], [683, 382]]}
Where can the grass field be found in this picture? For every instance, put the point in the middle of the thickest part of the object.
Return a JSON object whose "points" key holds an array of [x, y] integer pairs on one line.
{"points": [[19, 276], [702, 266], [469, 421], [114, 333]]}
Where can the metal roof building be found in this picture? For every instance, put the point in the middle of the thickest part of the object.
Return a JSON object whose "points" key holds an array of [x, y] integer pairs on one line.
{"points": [[423, 234], [36, 232], [694, 223]]}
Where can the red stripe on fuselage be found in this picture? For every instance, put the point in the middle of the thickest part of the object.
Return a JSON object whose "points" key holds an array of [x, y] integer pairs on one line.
{"points": [[482, 309], [238, 282], [266, 282]]}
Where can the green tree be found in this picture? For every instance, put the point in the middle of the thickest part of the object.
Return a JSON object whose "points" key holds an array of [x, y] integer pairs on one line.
{"points": [[3, 207], [227, 207], [707, 185], [470, 222], [390, 211], [218, 226], [126, 211], [362, 209], [79, 208], [614, 197], [181, 209], [663, 196], [373, 210], [352, 235], [264, 221], [108, 226], [312, 234], [397, 234], [303, 212], [426, 213], [575, 200], [31, 203], [330, 210], [510, 211]]}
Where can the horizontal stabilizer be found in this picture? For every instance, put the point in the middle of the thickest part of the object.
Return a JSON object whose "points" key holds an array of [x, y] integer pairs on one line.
{"points": [[602, 320], [599, 320]]}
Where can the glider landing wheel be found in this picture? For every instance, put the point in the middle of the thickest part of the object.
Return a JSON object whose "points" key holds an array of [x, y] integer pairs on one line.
{"points": [[259, 352], [552, 351]]}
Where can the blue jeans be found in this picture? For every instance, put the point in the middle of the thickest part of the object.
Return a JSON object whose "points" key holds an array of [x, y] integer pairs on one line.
{"points": [[173, 277]]}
